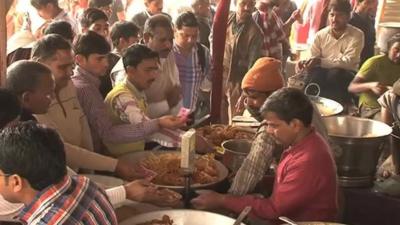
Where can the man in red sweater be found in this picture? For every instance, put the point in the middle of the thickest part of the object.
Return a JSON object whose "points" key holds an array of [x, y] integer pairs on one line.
{"points": [[305, 187]]}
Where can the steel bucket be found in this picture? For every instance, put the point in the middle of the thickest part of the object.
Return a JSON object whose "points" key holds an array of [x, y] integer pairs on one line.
{"points": [[361, 142], [235, 151], [386, 31]]}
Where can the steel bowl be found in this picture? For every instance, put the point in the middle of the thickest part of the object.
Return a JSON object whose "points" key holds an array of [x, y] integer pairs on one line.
{"points": [[183, 217], [326, 106], [235, 151], [138, 157], [360, 143]]}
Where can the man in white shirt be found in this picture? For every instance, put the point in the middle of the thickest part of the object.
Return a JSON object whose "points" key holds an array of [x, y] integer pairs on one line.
{"points": [[49, 11], [164, 95], [335, 54]]}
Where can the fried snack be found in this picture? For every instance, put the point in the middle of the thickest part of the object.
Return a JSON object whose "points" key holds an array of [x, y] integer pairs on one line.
{"points": [[216, 134], [166, 220], [167, 167]]}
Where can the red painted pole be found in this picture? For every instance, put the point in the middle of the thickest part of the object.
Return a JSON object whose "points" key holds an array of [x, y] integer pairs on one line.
{"points": [[218, 46]]}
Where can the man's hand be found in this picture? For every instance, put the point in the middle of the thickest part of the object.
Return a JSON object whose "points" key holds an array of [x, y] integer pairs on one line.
{"points": [[208, 200], [174, 96], [126, 171], [240, 105], [308, 64], [313, 62], [377, 89], [171, 122], [296, 16], [139, 190], [144, 191]]}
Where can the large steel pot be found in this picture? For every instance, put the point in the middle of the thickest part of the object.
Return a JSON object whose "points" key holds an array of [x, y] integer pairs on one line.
{"points": [[361, 142], [326, 106], [386, 30], [183, 217], [235, 151]]}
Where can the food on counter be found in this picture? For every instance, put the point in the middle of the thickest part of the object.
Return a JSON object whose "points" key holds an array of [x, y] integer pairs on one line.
{"points": [[325, 111], [167, 167], [169, 195], [166, 220], [216, 134]]}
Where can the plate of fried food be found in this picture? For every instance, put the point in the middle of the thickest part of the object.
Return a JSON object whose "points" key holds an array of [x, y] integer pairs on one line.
{"points": [[180, 217], [218, 133], [208, 172]]}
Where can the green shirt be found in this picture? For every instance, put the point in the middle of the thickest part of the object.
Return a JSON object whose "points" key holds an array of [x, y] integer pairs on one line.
{"points": [[377, 69]]}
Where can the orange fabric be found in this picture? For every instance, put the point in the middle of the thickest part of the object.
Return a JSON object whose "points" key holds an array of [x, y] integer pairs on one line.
{"points": [[264, 76]]}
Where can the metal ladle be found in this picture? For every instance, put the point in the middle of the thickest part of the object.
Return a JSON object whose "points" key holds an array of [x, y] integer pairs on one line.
{"points": [[287, 220], [242, 215]]}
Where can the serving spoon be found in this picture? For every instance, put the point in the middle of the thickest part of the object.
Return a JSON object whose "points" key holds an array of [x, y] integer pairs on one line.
{"points": [[287, 220], [242, 215]]}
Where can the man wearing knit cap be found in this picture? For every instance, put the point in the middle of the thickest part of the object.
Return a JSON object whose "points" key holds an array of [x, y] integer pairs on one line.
{"points": [[259, 82]]}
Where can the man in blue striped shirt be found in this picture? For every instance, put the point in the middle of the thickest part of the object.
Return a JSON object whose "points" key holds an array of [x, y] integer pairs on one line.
{"points": [[193, 62]]}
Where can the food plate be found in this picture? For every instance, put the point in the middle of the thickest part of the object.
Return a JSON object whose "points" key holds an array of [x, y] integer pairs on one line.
{"points": [[183, 217], [138, 158]]}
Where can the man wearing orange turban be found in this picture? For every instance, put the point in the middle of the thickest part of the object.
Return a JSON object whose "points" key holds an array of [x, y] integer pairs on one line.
{"points": [[259, 82]]}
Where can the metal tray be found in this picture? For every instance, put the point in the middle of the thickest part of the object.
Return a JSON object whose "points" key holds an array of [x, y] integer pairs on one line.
{"points": [[183, 217], [137, 157]]}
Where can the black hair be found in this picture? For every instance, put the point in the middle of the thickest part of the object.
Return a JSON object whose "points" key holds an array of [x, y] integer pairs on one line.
{"points": [[90, 16], [40, 3], [47, 46], [135, 54], [289, 104], [99, 3], [343, 6], [62, 28], [186, 19], [10, 107], [123, 29], [155, 21], [33, 152], [91, 43], [392, 40], [25, 75]]}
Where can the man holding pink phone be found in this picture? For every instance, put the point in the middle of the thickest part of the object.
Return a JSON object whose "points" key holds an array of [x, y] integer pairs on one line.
{"points": [[127, 102]]}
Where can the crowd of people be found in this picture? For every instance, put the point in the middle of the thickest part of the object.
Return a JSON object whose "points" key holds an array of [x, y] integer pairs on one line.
{"points": [[87, 86]]}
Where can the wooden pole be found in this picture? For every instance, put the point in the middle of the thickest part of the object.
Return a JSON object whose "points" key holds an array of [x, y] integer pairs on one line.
{"points": [[3, 41]]}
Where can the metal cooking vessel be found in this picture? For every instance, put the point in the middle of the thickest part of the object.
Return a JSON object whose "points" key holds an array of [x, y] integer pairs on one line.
{"points": [[137, 157], [386, 31], [361, 142], [326, 106], [183, 217], [235, 151]]}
